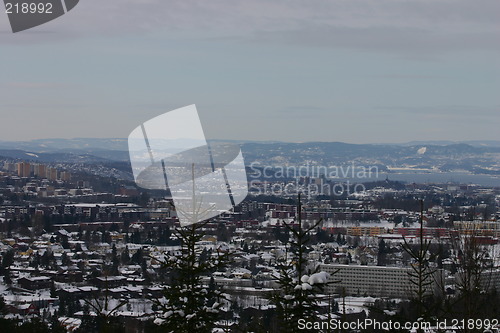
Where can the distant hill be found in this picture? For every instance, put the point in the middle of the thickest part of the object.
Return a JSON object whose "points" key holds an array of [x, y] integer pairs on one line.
{"points": [[51, 145], [476, 143], [480, 157]]}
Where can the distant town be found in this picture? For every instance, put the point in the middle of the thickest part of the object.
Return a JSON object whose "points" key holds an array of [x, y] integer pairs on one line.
{"points": [[84, 253]]}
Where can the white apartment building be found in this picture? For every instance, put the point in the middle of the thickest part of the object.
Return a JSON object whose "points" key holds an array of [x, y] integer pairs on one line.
{"points": [[377, 281]]}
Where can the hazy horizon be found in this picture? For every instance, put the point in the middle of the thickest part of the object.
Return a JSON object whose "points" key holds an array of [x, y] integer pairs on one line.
{"points": [[437, 142]]}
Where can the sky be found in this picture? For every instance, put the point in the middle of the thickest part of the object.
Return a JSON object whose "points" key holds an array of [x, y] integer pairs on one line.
{"points": [[357, 71]]}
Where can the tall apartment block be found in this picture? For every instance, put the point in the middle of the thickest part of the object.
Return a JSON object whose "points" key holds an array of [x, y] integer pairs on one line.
{"points": [[23, 169]]}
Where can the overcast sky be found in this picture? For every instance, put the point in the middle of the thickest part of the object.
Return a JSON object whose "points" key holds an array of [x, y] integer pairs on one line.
{"points": [[359, 71]]}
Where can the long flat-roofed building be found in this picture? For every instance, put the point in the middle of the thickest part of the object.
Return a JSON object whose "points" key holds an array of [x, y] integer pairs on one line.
{"points": [[378, 281]]}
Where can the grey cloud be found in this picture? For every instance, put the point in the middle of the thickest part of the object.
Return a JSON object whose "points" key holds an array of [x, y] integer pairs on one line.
{"points": [[35, 85], [445, 110], [303, 109], [386, 39], [409, 77], [360, 24]]}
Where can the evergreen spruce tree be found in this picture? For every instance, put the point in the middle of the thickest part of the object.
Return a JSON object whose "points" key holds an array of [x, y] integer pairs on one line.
{"points": [[297, 296], [190, 305], [421, 275], [115, 262], [125, 256]]}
